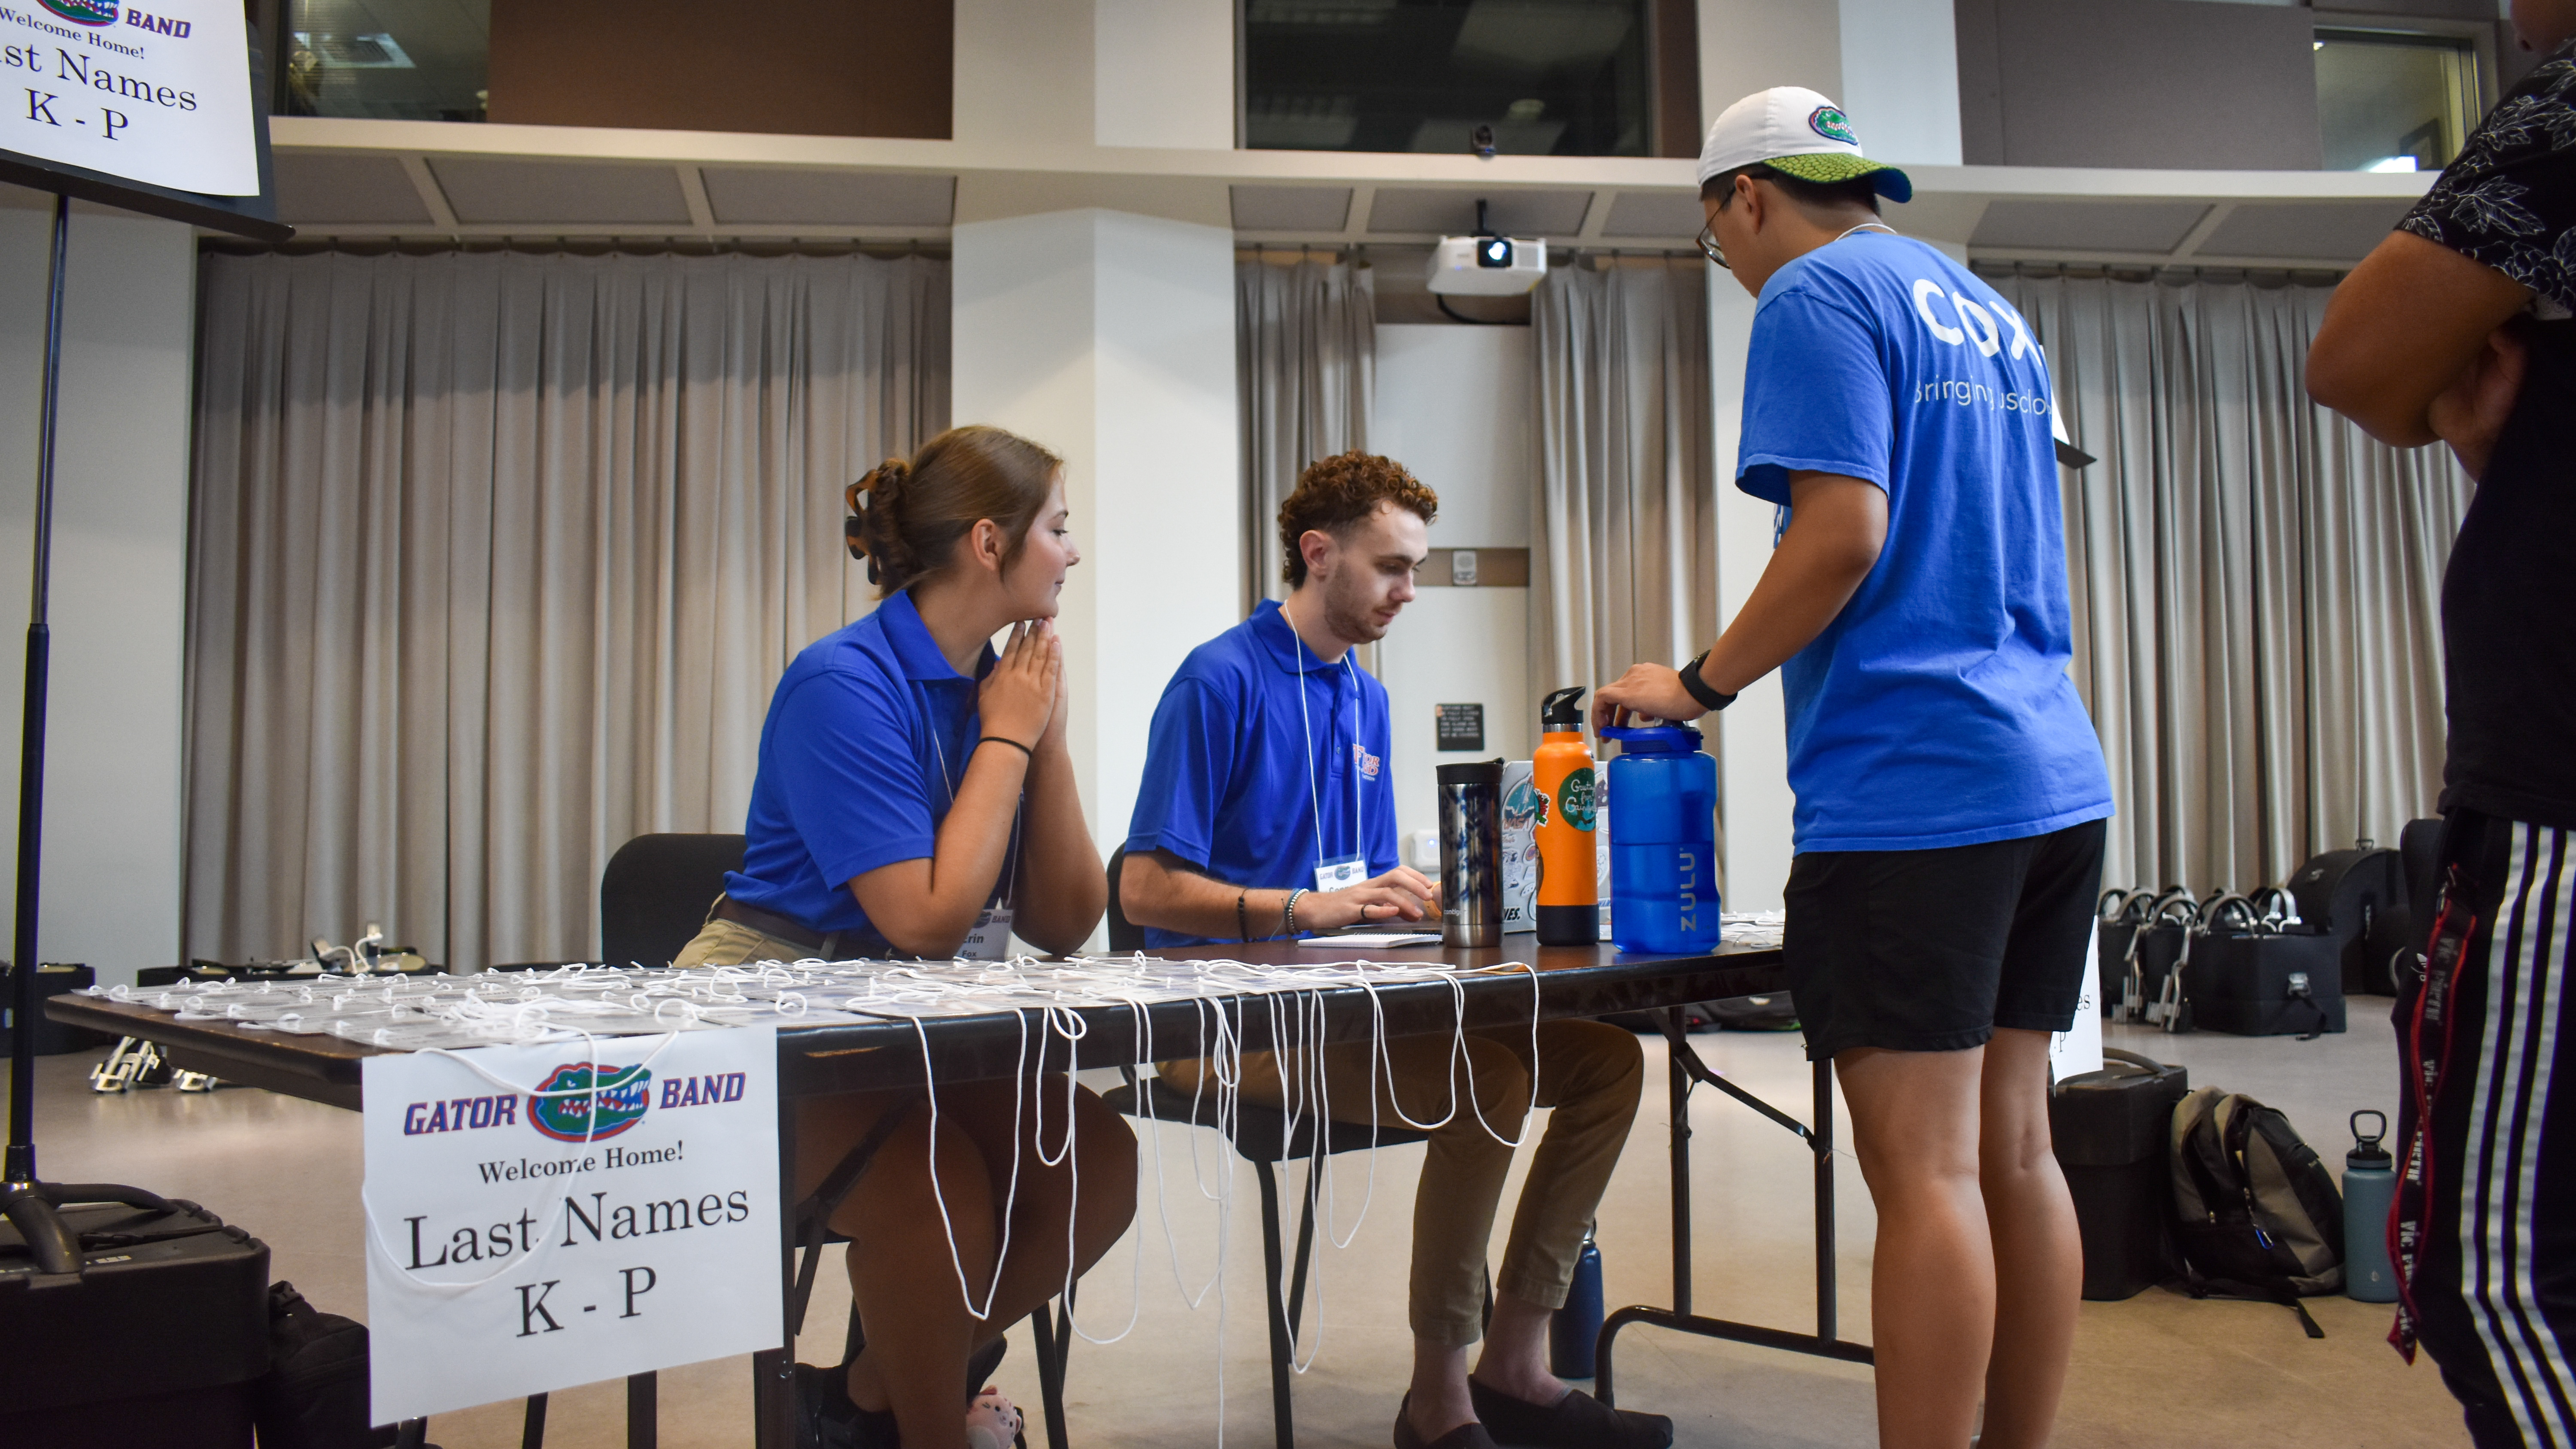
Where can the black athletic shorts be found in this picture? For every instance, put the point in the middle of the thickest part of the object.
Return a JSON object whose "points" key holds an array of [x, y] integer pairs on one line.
{"points": [[1931, 950]]}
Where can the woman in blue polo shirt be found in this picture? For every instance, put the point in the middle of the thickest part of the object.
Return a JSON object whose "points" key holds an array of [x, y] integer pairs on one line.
{"points": [[915, 798]]}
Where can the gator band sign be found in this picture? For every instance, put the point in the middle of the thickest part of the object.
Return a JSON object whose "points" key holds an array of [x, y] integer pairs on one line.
{"points": [[158, 95], [542, 1217]]}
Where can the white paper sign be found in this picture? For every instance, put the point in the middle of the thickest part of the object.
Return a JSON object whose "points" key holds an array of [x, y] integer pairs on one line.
{"points": [[2079, 1049], [158, 93], [529, 1230]]}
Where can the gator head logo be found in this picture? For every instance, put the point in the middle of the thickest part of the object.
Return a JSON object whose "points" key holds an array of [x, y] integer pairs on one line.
{"points": [[623, 1094], [1826, 121], [85, 12]]}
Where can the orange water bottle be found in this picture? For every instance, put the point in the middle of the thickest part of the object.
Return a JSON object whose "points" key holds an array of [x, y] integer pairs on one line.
{"points": [[1569, 905]]}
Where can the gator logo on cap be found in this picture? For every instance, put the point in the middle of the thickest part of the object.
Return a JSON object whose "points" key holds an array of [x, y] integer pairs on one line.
{"points": [[1830, 123], [87, 12], [623, 1095]]}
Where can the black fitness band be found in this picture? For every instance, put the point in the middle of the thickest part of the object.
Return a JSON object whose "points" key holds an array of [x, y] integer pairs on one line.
{"points": [[1014, 744], [1700, 689]]}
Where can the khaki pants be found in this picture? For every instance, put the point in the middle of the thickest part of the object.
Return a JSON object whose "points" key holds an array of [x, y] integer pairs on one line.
{"points": [[731, 943], [1591, 1074]]}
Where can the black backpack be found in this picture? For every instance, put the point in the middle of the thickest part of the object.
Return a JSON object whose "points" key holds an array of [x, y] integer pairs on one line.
{"points": [[315, 1394], [2256, 1215]]}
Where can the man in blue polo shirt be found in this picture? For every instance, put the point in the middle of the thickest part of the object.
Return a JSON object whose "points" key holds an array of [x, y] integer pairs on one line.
{"points": [[1266, 811], [1950, 792]]}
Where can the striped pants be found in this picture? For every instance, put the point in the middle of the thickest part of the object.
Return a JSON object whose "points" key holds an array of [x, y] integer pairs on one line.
{"points": [[2485, 1227]]}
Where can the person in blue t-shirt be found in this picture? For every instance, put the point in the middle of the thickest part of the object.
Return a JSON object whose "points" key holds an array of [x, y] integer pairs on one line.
{"points": [[915, 798], [1951, 795], [1266, 811]]}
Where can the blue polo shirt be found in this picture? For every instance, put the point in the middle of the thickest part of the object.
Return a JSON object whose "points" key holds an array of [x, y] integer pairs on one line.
{"points": [[1254, 788], [1935, 710], [867, 739]]}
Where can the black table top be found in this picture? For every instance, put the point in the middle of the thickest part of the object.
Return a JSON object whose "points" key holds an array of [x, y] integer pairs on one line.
{"points": [[1572, 981]]}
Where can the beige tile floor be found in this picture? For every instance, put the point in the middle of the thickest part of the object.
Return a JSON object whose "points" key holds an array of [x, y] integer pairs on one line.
{"points": [[2156, 1372]]}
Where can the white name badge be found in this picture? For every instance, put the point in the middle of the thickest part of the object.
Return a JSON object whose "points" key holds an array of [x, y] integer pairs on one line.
{"points": [[990, 940], [1332, 875]]}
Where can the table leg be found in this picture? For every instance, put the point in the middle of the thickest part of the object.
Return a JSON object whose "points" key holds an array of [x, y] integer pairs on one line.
{"points": [[1821, 1135], [643, 1411], [1678, 1083], [773, 1371], [1685, 1067]]}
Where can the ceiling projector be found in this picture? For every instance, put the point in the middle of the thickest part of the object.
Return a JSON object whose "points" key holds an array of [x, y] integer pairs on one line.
{"points": [[1487, 266]]}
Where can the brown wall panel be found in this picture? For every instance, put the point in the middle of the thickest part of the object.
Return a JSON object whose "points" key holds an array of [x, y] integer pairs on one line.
{"points": [[791, 67]]}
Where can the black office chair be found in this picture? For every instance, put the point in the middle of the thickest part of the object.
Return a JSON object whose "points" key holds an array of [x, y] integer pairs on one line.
{"points": [[1125, 936], [1261, 1137], [656, 892]]}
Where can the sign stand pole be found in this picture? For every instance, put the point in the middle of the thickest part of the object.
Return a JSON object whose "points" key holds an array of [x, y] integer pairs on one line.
{"points": [[25, 1205], [28, 1202]]}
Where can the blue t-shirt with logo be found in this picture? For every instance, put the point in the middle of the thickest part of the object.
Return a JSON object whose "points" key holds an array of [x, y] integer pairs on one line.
{"points": [[1935, 710], [1264, 762], [866, 742]]}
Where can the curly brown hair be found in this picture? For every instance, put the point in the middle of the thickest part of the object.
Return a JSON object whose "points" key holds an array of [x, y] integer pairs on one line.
{"points": [[1336, 493]]}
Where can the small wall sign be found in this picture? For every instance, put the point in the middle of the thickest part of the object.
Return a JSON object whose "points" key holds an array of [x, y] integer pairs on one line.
{"points": [[1462, 726]]}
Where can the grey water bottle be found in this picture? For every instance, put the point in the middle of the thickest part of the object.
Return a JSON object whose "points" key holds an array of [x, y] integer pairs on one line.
{"points": [[1471, 854]]}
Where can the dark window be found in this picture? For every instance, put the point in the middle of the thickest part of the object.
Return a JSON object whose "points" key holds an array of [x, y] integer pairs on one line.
{"points": [[390, 60], [1550, 77], [2391, 100]]}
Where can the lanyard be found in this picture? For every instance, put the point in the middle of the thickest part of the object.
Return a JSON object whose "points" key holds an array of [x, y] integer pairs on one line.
{"points": [[1305, 717], [1010, 866]]}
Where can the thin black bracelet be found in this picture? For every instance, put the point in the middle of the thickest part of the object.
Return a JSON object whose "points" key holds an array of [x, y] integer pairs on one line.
{"points": [[1700, 689], [1014, 744], [1242, 922]]}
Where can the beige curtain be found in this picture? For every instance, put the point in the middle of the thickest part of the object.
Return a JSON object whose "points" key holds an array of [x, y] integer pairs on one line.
{"points": [[2256, 583], [1625, 566], [1305, 339], [495, 559]]}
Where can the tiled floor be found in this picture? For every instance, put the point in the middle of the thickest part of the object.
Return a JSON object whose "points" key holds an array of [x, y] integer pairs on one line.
{"points": [[2159, 1371]]}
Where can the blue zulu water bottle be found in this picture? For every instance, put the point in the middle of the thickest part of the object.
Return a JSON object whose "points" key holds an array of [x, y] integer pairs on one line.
{"points": [[2369, 1183], [1663, 849]]}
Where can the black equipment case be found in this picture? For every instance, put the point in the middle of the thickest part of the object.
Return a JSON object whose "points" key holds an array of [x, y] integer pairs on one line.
{"points": [[53, 1039], [157, 1339], [2263, 984], [2110, 1129], [2359, 897]]}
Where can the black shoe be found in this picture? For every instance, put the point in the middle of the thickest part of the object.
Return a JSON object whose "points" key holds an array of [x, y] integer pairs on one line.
{"points": [[1465, 1436], [826, 1419], [1577, 1421]]}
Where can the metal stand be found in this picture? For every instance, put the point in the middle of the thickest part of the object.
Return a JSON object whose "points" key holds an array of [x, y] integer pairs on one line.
{"points": [[1686, 1068]]}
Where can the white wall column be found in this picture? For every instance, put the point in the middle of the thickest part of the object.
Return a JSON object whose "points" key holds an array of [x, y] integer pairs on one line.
{"points": [[113, 793], [1901, 79], [1753, 45], [1109, 338], [1753, 784]]}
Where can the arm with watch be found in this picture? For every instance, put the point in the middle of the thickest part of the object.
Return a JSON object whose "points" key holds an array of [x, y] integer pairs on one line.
{"points": [[1836, 527]]}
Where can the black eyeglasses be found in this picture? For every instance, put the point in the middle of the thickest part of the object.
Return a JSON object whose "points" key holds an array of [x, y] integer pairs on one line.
{"points": [[1709, 248]]}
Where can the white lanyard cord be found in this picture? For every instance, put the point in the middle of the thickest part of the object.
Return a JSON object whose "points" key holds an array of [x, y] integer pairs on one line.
{"points": [[1010, 865], [1306, 719]]}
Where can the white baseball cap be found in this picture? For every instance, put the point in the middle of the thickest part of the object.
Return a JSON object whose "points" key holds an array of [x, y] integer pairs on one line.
{"points": [[1799, 133]]}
